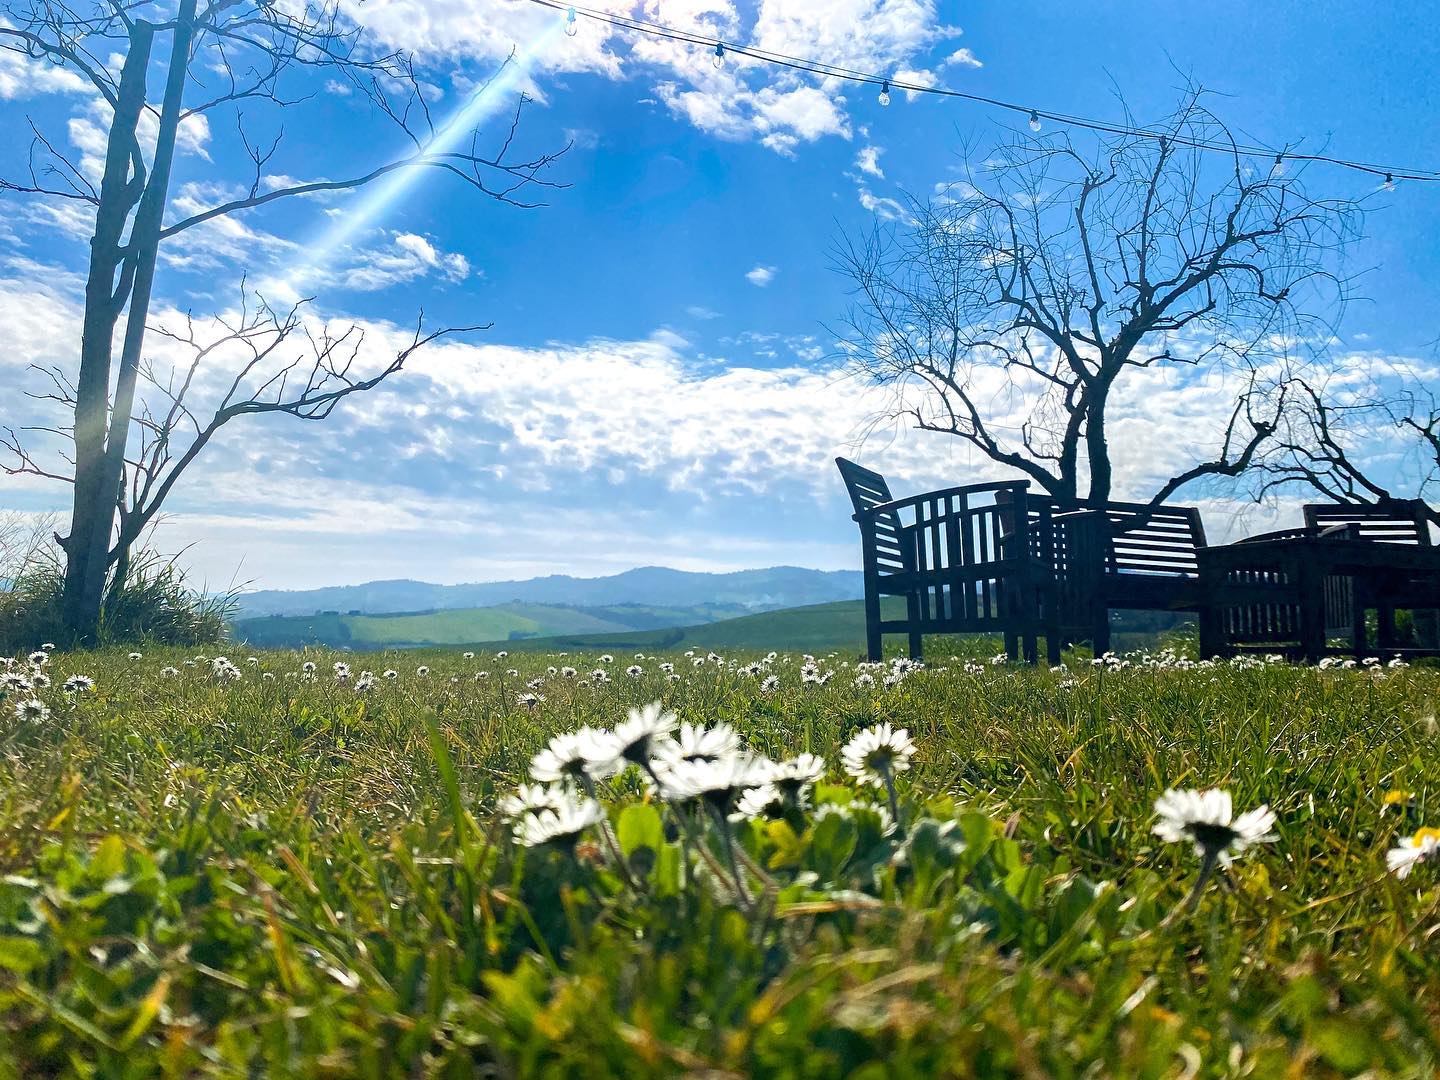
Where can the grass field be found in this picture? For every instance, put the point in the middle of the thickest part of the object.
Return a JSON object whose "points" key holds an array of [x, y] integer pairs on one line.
{"points": [[459, 626], [269, 874]]}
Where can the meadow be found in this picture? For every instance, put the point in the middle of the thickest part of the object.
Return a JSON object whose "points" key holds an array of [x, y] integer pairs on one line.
{"points": [[257, 867]]}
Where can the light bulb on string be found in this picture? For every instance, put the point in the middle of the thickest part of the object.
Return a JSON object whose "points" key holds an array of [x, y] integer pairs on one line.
{"points": [[1389, 184], [719, 60], [884, 98], [1034, 121], [1279, 167], [571, 26]]}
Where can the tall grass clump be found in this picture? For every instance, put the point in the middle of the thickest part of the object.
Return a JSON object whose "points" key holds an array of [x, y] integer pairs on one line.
{"points": [[153, 605]]}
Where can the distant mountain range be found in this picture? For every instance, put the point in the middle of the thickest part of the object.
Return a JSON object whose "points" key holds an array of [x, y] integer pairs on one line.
{"points": [[652, 586]]}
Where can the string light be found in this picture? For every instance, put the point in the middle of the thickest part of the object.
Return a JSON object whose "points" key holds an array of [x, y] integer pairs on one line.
{"points": [[834, 71], [1389, 184], [885, 93], [571, 26]]}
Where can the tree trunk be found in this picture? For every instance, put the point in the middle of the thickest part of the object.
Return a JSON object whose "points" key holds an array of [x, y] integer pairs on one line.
{"points": [[144, 247], [1097, 447], [94, 507]]}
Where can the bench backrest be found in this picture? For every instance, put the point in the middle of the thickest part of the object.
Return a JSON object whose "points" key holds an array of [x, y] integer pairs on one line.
{"points": [[1143, 538], [882, 535], [1399, 521]]}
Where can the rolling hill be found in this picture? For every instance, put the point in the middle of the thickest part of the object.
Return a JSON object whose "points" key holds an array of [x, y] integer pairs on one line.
{"points": [[502, 622], [653, 586], [814, 628]]}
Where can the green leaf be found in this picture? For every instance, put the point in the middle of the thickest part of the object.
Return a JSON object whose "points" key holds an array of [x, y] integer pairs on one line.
{"points": [[789, 849], [19, 954], [639, 826]]}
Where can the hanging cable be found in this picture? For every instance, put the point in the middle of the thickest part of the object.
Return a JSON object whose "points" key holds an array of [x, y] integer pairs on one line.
{"points": [[722, 49]]}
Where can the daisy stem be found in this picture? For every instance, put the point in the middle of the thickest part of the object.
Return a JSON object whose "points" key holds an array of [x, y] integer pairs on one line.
{"points": [[890, 793], [1207, 867], [610, 841], [729, 845]]}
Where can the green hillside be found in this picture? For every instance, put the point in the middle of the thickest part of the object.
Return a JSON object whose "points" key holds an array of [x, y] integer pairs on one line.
{"points": [[503, 622], [815, 628]]}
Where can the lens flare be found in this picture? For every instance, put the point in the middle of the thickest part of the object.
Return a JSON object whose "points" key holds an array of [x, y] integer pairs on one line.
{"points": [[381, 195]]}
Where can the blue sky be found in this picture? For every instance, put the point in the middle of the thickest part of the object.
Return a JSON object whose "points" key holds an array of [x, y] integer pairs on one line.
{"points": [[661, 382]]}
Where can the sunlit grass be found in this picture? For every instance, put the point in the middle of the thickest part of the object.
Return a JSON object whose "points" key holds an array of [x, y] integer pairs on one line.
{"points": [[287, 875]]}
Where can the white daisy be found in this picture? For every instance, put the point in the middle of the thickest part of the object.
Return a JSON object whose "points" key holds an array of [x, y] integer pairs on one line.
{"points": [[31, 710], [638, 736], [719, 783], [561, 824], [696, 743], [530, 701], [76, 683], [794, 774], [1413, 850], [530, 799], [14, 681], [876, 754], [765, 801], [1206, 819], [568, 757]]}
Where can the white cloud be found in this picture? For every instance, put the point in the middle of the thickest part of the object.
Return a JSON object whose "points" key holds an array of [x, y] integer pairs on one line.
{"points": [[745, 99], [868, 161], [409, 257], [961, 58], [882, 206], [22, 77], [89, 133], [761, 276]]}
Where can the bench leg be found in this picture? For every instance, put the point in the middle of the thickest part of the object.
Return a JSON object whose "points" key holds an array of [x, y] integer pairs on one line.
{"points": [[874, 647], [1012, 644], [1387, 638], [1032, 654], [1102, 633], [1052, 645], [912, 612]]}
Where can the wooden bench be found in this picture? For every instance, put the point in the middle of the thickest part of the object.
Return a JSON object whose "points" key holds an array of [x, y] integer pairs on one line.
{"points": [[996, 558], [1109, 556], [1391, 521], [1395, 521], [961, 557]]}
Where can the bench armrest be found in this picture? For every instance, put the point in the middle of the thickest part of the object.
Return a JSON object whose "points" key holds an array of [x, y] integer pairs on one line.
{"points": [[942, 493]]}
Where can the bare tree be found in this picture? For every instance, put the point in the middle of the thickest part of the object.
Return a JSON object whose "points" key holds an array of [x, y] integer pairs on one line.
{"points": [[273, 362], [1363, 442], [227, 61], [1014, 307]]}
